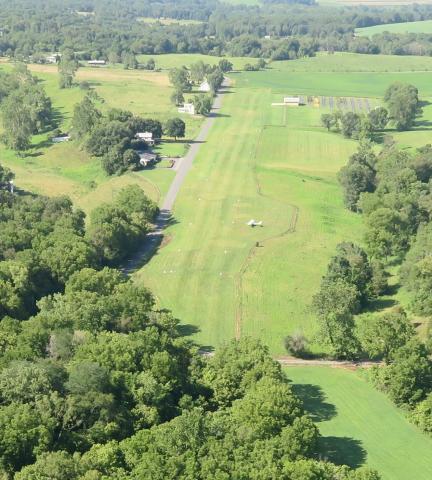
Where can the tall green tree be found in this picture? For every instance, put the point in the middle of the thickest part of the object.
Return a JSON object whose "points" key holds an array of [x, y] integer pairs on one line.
{"points": [[85, 117], [403, 104], [67, 68]]}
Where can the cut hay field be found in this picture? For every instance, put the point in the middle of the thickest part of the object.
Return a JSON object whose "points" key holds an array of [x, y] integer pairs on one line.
{"points": [[224, 279], [65, 168], [360, 425], [424, 26]]}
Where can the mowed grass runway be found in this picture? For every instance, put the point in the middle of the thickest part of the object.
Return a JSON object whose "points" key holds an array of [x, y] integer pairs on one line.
{"points": [[360, 425], [259, 163], [223, 278]]}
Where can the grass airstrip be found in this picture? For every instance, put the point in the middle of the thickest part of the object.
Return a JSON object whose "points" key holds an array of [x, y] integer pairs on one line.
{"points": [[278, 166], [360, 425]]}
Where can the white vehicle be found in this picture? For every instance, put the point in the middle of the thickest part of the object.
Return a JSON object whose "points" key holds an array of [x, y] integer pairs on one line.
{"points": [[254, 223]]}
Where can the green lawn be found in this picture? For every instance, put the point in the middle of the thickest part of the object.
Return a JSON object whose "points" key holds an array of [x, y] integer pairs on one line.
{"points": [[424, 26], [360, 425]]}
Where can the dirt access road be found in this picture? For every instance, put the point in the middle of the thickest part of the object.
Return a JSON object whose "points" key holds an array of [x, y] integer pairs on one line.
{"points": [[154, 238]]}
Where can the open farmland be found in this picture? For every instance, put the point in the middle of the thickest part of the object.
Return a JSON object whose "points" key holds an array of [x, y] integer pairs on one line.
{"points": [[361, 425], [276, 165], [55, 169], [424, 26]]}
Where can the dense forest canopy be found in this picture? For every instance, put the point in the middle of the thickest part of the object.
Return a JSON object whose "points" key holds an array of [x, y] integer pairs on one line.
{"points": [[96, 29]]}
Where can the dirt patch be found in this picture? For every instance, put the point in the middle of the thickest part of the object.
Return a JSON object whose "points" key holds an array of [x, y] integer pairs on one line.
{"points": [[166, 239]]}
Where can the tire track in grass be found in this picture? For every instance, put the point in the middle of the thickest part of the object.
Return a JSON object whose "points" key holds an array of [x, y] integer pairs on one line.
{"points": [[252, 251]]}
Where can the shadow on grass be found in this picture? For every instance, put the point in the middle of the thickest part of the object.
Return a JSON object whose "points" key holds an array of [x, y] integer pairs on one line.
{"points": [[314, 403], [186, 330], [342, 451]]}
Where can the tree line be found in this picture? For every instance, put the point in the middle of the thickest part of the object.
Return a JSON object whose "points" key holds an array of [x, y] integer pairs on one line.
{"points": [[392, 191], [277, 30], [25, 108]]}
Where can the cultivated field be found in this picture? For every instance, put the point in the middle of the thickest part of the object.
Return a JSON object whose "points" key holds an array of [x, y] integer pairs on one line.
{"points": [[360, 425], [65, 168], [276, 165], [424, 26]]}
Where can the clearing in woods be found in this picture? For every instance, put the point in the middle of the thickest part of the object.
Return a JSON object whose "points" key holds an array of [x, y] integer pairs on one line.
{"points": [[355, 420], [424, 26], [225, 279]]}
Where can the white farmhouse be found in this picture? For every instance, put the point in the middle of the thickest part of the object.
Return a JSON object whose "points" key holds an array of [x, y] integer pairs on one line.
{"points": [[204, 87], [187, 108], [146, 136]]}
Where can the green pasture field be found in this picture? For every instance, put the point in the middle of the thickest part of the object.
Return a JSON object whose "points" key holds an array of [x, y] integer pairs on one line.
{"points": [[353, 62], [359, 84], [264, 163], [424, 26], [55, 169], [359, 425], [176, 60]]}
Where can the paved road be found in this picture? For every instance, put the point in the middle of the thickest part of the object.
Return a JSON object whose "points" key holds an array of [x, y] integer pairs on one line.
{"points": [[154, 238]]}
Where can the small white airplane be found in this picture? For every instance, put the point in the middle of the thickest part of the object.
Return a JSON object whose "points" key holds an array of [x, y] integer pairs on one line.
{"points": [[254, 223]]}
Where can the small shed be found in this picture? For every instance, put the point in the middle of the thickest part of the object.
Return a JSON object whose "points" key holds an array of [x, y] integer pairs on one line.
{"points": [[53, 58], [205, 86], [96, 63], [187, 108], [292, 101], [61, 138], [147, 159], [146, 136]]}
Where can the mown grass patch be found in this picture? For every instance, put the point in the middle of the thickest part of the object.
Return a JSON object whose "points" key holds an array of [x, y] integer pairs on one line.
{"points": [[359, 425]]}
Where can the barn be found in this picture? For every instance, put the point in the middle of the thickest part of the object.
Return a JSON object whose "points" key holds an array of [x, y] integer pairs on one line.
{"points": [[292, 101]]}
